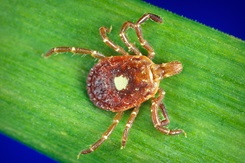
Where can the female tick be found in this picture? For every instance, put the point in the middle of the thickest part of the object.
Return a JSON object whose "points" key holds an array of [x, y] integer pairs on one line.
{"points": [[120, 83]]}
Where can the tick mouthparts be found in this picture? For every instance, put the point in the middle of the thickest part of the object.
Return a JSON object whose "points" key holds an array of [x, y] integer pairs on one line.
{"points": [[177, 66], [171, 68]]}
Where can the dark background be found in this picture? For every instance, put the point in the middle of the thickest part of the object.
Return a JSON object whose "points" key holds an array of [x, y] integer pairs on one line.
{"points": [[225, 16]]}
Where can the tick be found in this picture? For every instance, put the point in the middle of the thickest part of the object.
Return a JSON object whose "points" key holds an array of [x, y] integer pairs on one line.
{"points": [[119, 83]]}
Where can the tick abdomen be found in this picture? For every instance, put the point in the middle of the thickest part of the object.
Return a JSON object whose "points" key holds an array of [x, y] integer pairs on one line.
{"points": [[121, 82]]}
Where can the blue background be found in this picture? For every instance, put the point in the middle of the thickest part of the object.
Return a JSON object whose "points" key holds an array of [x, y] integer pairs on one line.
{"points": [[226, 16]]}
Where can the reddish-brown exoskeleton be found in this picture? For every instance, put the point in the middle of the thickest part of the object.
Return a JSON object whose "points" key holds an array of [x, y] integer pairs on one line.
{"points": [[120, 83]]}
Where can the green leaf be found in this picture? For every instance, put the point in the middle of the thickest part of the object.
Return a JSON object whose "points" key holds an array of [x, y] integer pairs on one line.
{"points": [[44, 103]]}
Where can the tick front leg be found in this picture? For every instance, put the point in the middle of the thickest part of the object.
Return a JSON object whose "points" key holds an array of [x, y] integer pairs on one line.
{"points": [[104, 136], [142, 41], [160, 124], [93, 53], [109, 43], [124, 38], [129, 125]]}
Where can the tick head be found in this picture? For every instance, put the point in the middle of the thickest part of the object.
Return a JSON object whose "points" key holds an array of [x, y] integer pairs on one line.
{"points": [[165, 70], [171, 68]]}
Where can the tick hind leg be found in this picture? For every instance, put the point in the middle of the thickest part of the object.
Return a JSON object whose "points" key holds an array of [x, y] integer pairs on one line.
{"points": [[75, 50], [138, 30], [104, 136], [129, 125], [160, 124], [108, 42]]}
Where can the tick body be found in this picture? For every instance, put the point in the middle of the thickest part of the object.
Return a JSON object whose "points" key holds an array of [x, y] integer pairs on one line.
{"points": [[133, 73], [120, 83]]}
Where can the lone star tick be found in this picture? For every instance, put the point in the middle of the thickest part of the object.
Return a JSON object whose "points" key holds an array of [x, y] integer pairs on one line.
{"points": [[120, 83]]}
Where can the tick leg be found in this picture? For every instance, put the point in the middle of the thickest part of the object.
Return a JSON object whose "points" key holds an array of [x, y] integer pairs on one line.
{"points": [[109, 43], [142, 41], [104, 136], [129, 125], [93, 53], [124, 38], [160, 124]]}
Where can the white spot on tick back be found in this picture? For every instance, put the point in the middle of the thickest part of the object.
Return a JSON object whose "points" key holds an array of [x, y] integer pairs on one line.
{"points": [[120, 82]]}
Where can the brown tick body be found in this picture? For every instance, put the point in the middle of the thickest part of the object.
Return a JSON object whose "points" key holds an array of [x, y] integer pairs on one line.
{"points": [[119, 83], [137, 71]]}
